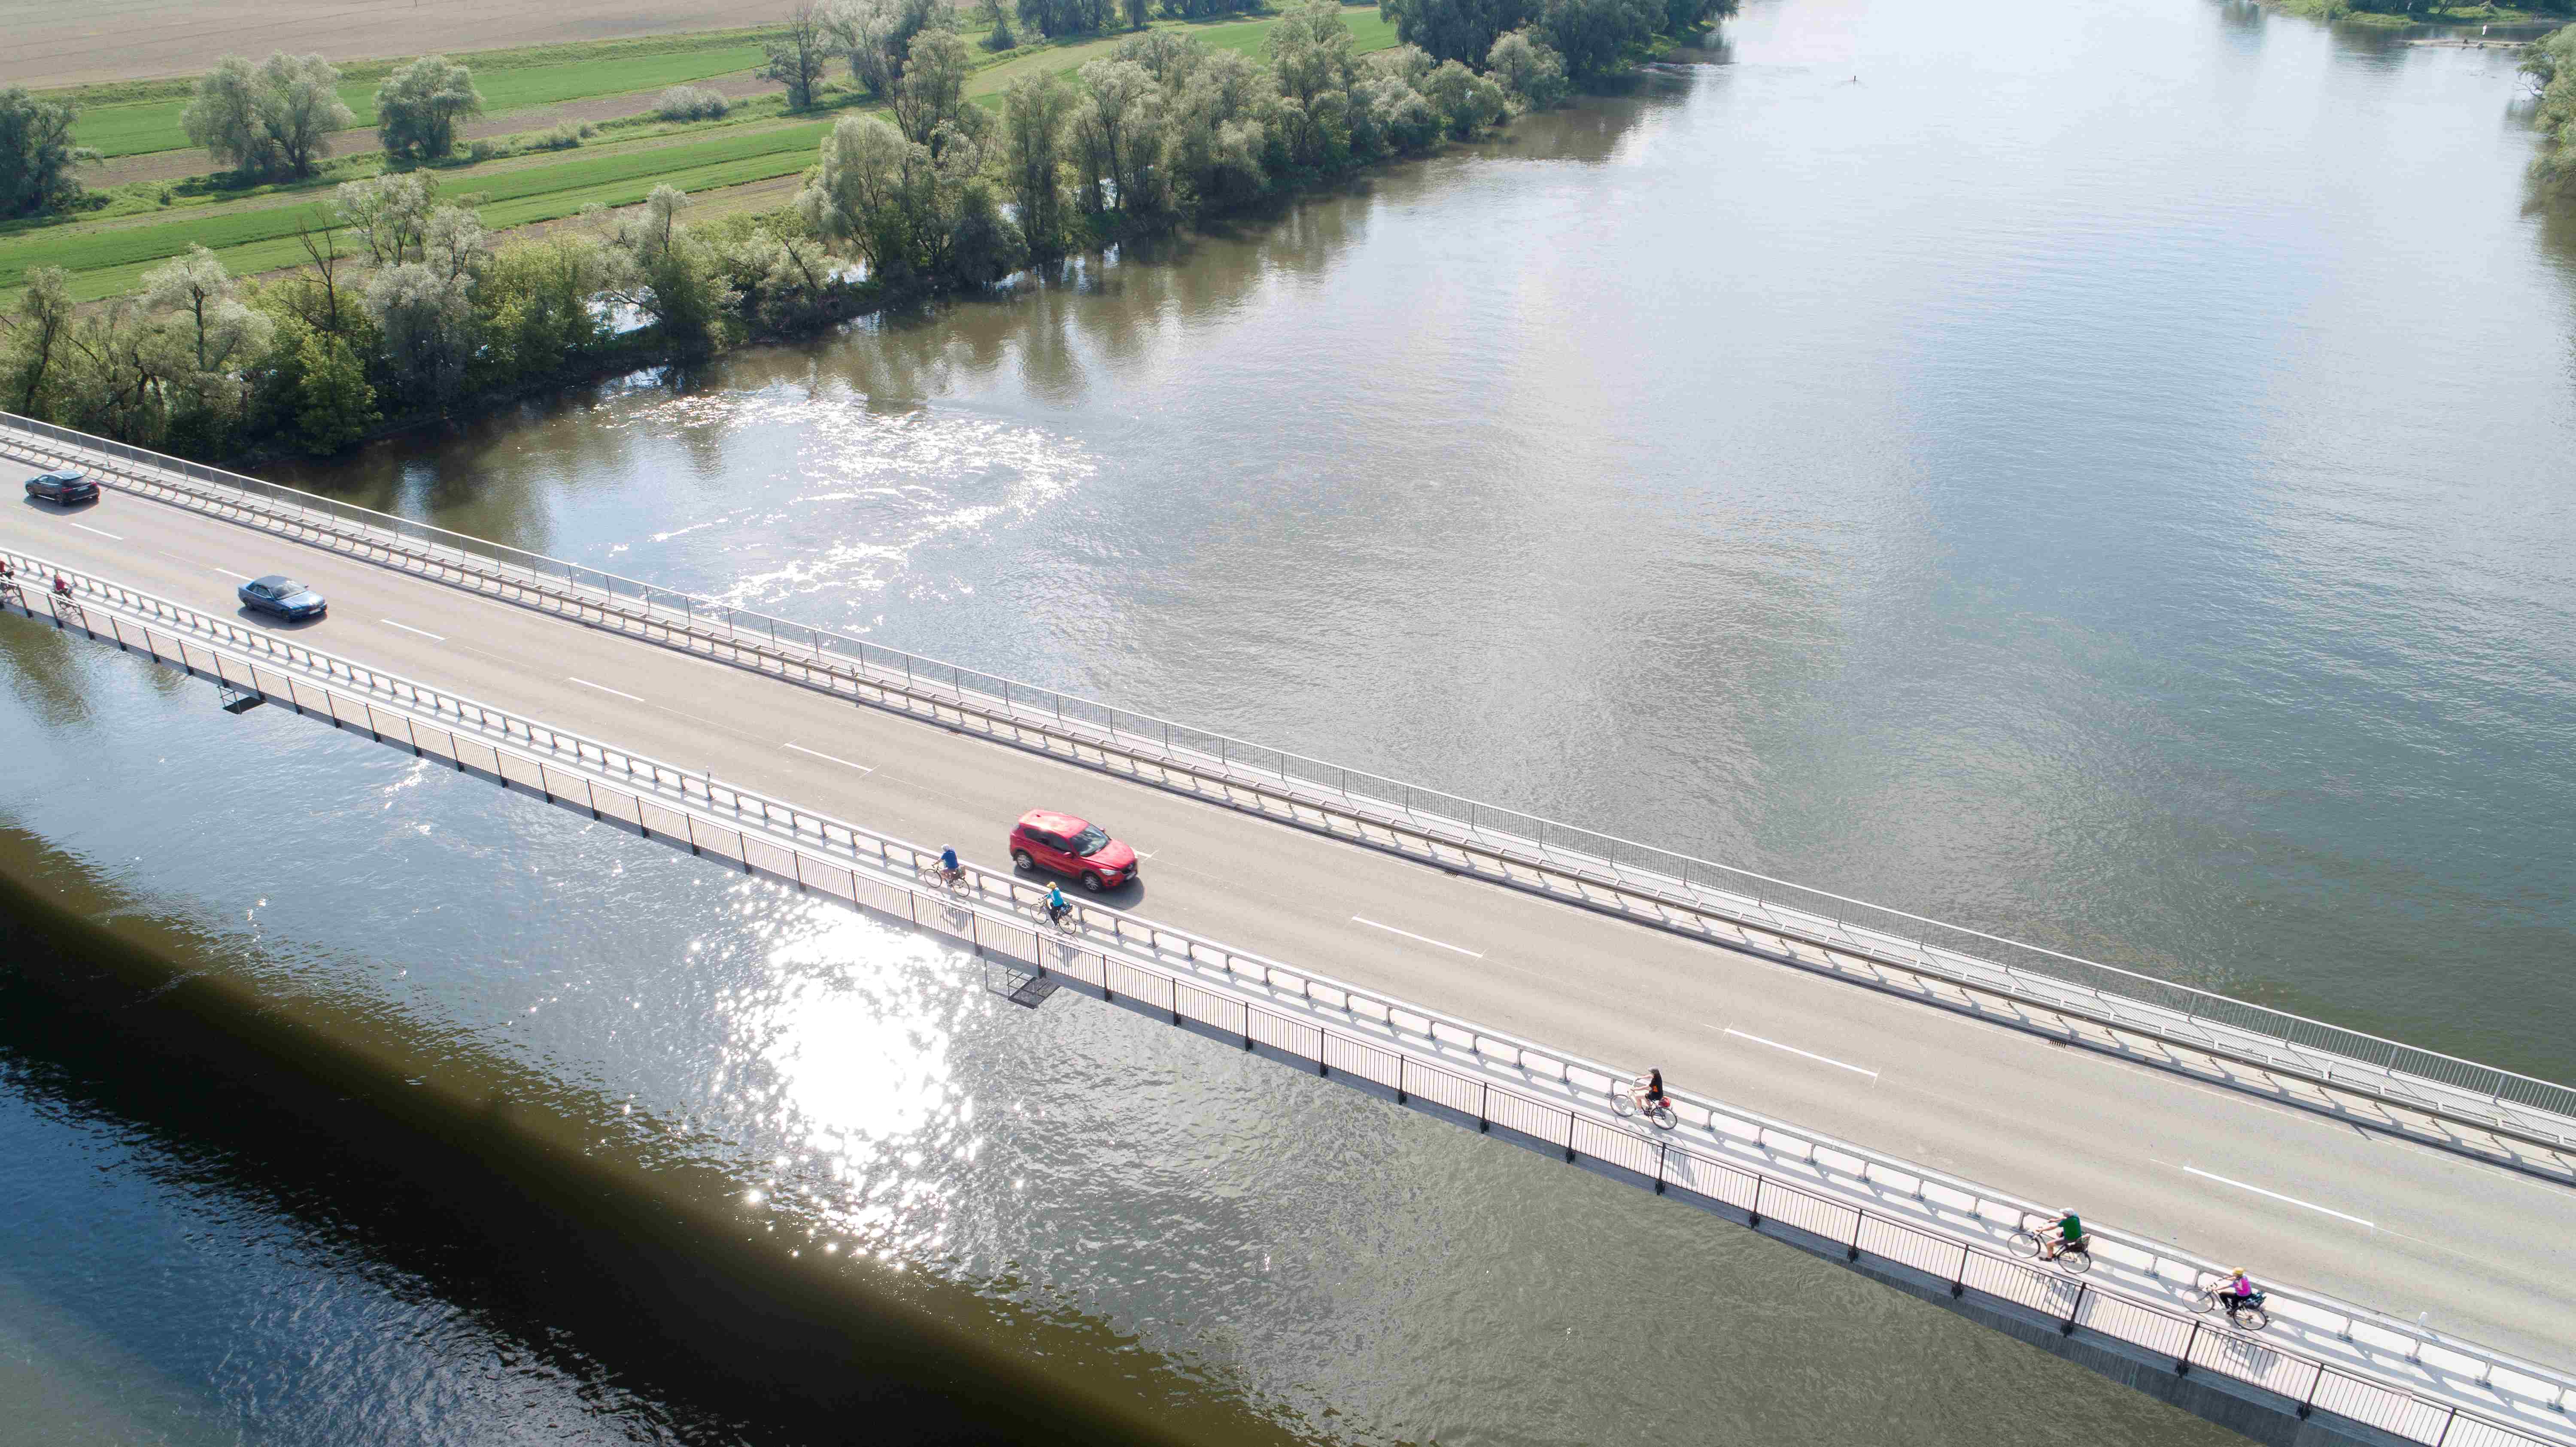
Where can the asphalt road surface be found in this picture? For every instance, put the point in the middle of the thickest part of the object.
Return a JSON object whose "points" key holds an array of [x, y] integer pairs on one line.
{"points": [[2295, 1197]]}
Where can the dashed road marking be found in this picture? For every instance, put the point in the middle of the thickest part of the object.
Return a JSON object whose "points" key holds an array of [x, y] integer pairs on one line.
{"points": [[1426, 939]]}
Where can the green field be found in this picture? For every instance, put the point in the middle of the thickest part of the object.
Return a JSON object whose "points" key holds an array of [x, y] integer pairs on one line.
{"points": [[137, 129], [107, 259]]}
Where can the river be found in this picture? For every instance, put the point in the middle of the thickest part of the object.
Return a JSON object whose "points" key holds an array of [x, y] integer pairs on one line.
{"points": [[2091, 473]]}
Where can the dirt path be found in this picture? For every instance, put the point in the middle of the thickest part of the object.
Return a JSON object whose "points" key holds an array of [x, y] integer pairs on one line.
{"points": [[52, 43]]}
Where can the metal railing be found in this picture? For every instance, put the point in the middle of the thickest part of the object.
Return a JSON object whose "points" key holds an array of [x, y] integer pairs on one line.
{"points": [[2349, 1361], [2200, 1020]]}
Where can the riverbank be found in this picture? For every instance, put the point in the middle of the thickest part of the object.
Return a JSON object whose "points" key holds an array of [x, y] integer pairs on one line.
{"points": [[2343, 12], [545, 1207], [330, 355]]}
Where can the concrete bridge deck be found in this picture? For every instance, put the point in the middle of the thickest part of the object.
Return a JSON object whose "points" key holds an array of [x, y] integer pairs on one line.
{"points": [[2298, 1196]]}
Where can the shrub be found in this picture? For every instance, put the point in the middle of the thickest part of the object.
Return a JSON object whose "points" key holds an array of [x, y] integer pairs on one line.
{"points": [[564, 137], [691, 103], [485, 149]]}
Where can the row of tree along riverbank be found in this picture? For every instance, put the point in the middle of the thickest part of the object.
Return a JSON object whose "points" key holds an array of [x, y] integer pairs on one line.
{"points": [[407, 307]]}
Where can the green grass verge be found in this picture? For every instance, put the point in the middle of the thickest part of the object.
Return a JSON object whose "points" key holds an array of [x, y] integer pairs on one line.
{"points": [[107, 261], [482, 62], [132, 130]]}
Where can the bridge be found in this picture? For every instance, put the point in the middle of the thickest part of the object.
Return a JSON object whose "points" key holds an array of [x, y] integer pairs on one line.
{"points": [[1888, 1091]]}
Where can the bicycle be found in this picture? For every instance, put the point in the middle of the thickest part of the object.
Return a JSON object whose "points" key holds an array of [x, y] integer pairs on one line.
{"points": [[952, 878], [2244, 1314], [1631, 1100], [2031, 1243]]}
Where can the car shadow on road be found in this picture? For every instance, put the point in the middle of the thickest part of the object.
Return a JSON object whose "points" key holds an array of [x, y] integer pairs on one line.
{"points": [[261, 617]]}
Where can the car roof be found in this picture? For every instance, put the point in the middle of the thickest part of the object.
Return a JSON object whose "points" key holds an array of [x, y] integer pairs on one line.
{"points": [[57, 477], [1052, 822], [272, 580]]}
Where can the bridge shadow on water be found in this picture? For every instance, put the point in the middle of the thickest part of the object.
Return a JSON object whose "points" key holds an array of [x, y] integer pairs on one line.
{"points": [[602, 1245]]}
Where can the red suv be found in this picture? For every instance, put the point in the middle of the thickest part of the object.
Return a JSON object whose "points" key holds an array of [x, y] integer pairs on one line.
{"points": [[1071, 846]]}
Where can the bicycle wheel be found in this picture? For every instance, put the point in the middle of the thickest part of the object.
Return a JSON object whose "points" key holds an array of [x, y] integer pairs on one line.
{"points": [[2249, 1318], [2076, 1259], [1664, 1117], [2205, 1303], [2026, 1242], [1622, 1104]]}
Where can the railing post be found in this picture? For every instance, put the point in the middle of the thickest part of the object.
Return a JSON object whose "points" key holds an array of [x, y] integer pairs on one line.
{"points": [[2182, 1368], [2074, 1311], [1959, 1280]]}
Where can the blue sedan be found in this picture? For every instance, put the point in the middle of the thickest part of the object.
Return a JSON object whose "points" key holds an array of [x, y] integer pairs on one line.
{"points": [[282, 596]]}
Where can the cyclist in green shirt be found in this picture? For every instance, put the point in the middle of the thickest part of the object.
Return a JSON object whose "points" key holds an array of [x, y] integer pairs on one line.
{"points": [[2068, 1233]]}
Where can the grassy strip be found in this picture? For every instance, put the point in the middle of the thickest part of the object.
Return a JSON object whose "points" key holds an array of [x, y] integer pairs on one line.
{"points": [[368, 72], [107, 262], [2434, 14], [131, 130]]}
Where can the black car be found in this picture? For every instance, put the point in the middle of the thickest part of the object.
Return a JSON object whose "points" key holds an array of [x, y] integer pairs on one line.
{"points": [[282, 596], [62, 487]]}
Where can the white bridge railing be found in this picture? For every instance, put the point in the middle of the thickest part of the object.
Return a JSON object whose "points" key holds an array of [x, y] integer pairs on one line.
{"points": [[2321, 1354], [1808, 927]]}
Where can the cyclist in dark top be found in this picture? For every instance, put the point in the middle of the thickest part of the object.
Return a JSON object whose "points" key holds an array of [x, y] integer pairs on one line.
{"points": [[1654, 1088]]}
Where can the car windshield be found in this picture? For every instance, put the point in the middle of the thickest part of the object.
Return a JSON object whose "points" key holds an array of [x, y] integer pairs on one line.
{"points": [[1090, 841], [285, 590]]}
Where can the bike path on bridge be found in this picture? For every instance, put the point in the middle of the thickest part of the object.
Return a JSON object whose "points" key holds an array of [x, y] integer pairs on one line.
{"points": [[2292, 1195]]}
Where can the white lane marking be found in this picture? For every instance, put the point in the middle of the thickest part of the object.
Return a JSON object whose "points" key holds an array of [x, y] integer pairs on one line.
{"points": [[1810, 1054], [844, 763], [2277, 1196], [229, 573], [1408, 934], [407, 628], [604, 688], [102, 532], [1144, 854]]}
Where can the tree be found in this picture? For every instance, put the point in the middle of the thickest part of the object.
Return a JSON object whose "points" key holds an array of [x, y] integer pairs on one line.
{"points": [[1462, 30], [876, 35], [874, 192], [1595, 36], [933, 85], [428, 323], [1529, 70], [455, 246], [1052, 18], [389, 214], [796, 60], [1136, 12], [299, 108], [1316, 61], [37, 155], [38, 337], [538, 295], [673, 276], [1116, 132], [273, 119], [418, 106], [334, 402], [220, 334], [1467, 102], [223, 116], [1035, 114]]}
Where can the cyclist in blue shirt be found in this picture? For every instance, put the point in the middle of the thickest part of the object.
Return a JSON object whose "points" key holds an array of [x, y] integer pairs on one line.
{"points": [[1057, 905]]}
